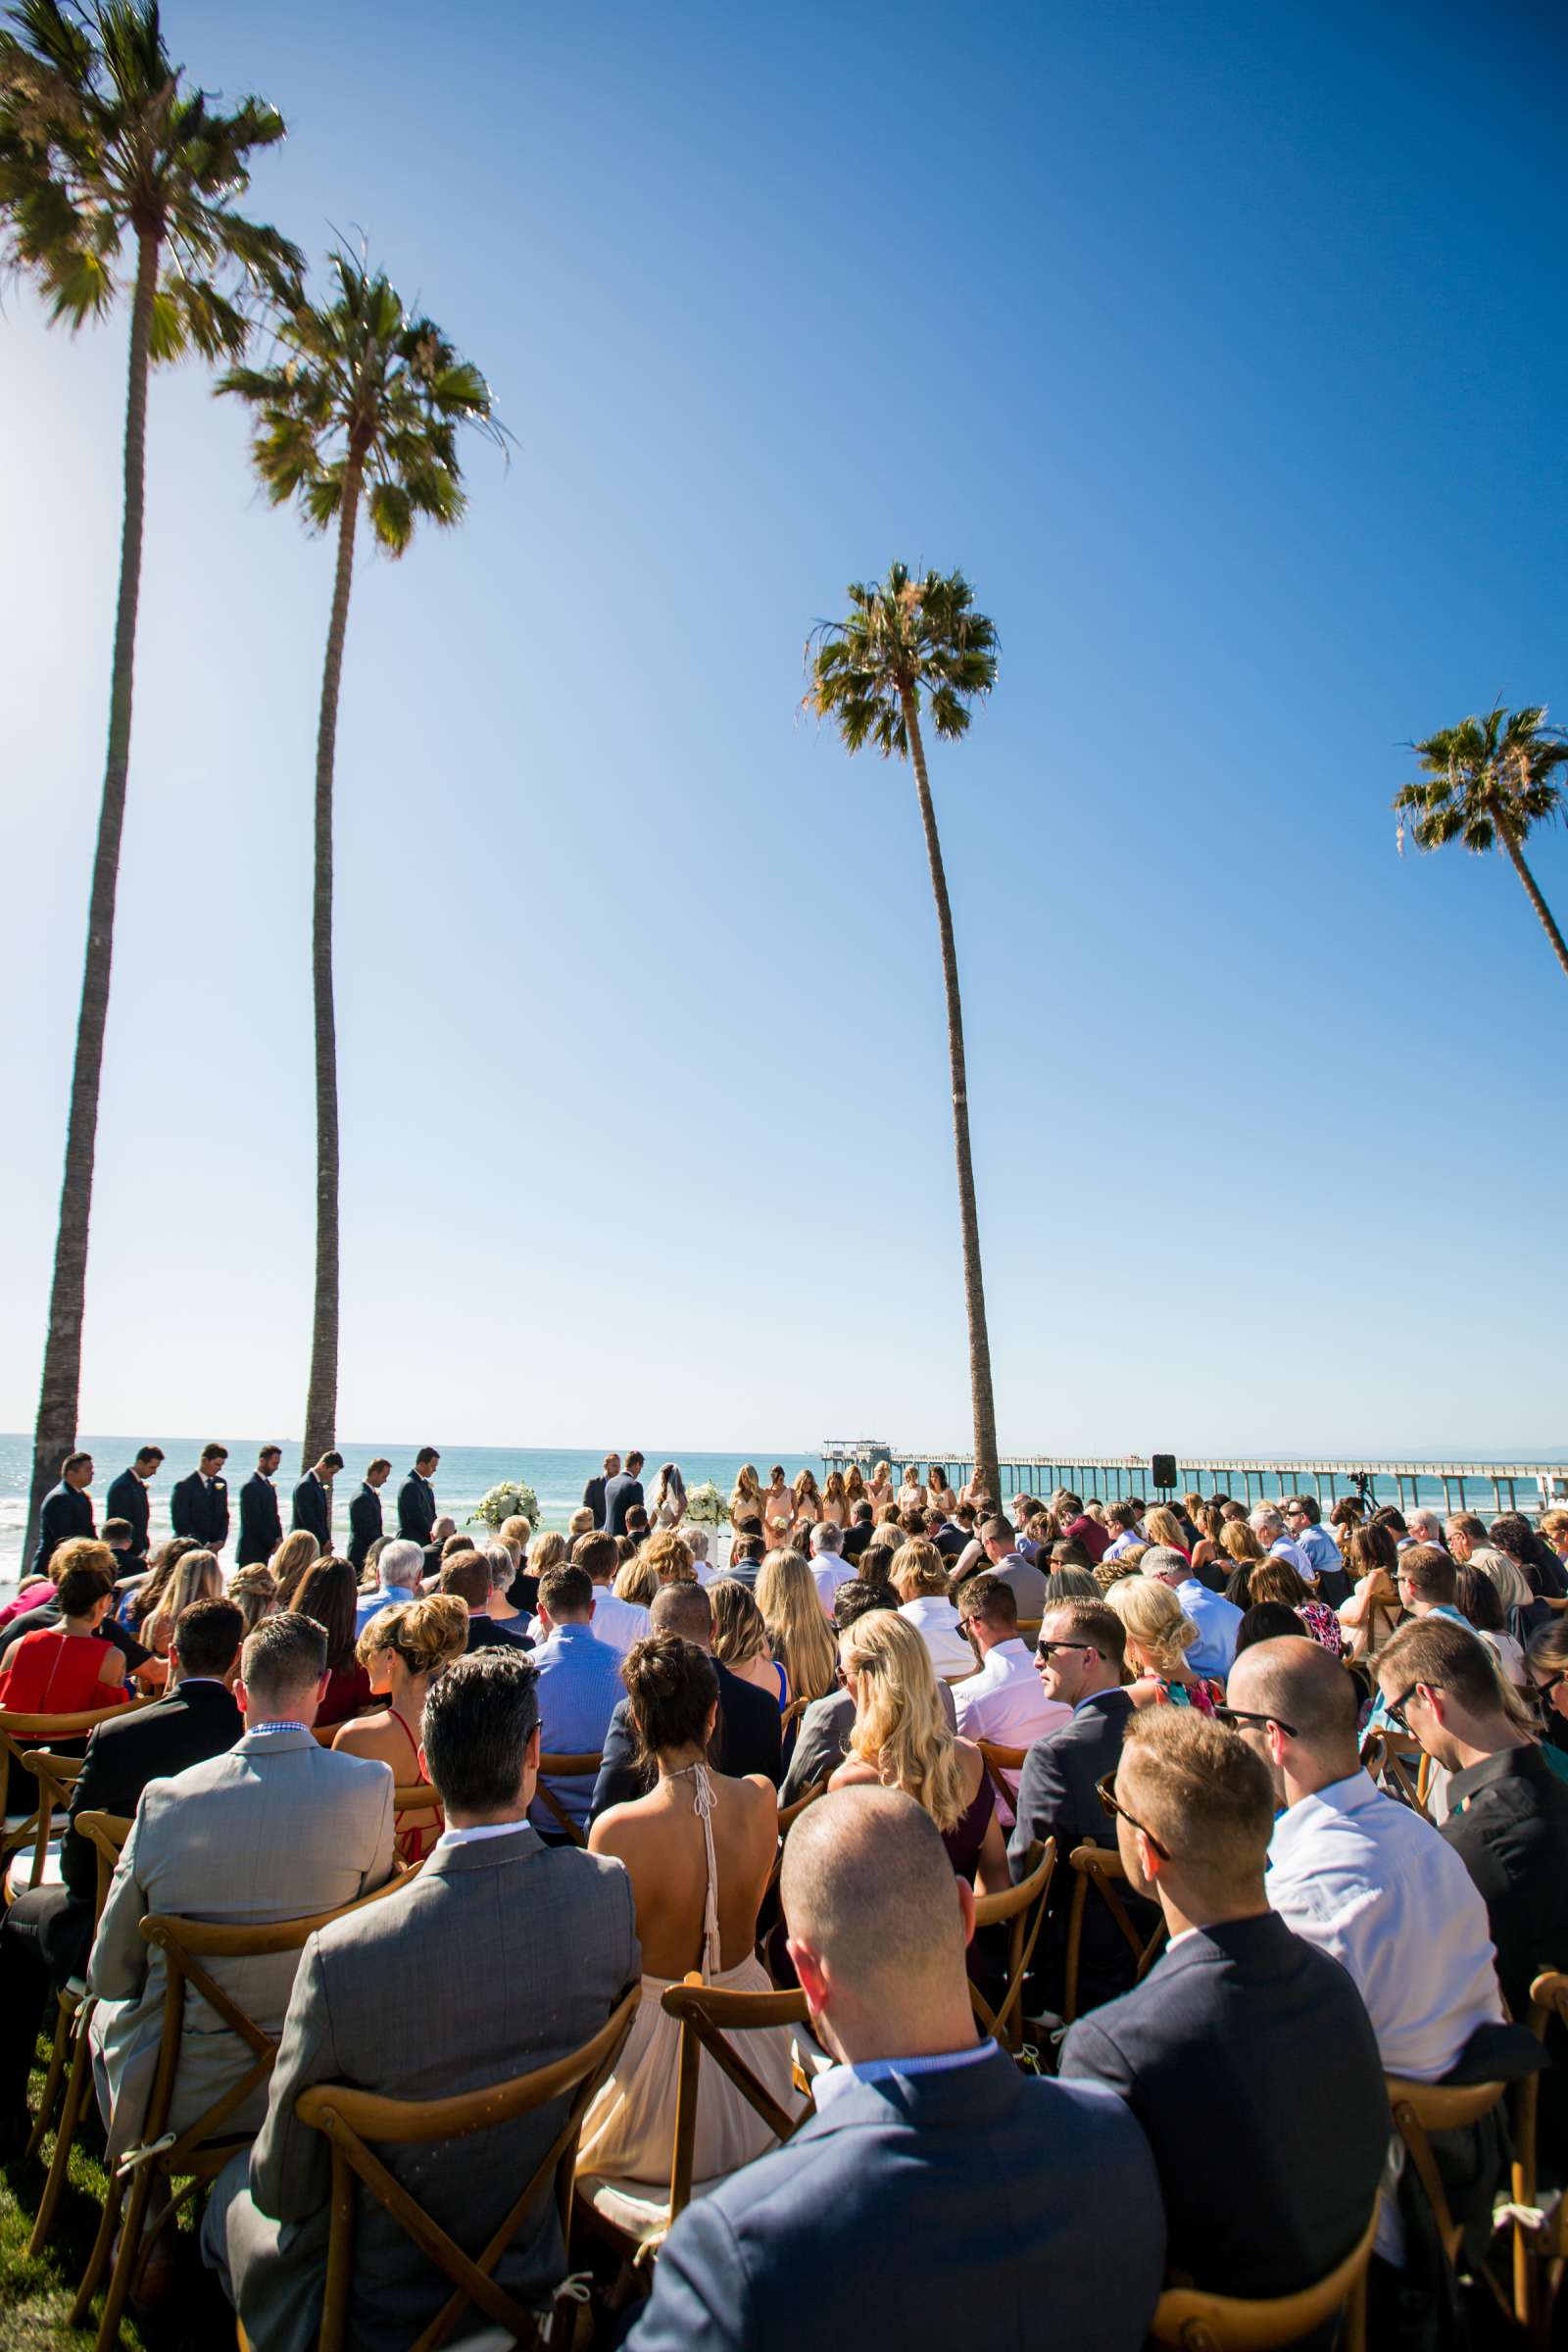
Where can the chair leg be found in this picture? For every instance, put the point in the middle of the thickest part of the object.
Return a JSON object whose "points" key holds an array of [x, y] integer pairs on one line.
{"points": [[98, 2258], [127, 2260], [64, 2134], [56, 2069]]}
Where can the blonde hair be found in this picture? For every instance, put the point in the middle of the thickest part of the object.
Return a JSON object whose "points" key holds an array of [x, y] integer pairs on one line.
{"points": [[882, 1470], [515, 1530], [918, 1567], [1114, 1571], [197, 1577], [1156, 1620], [1163, 1527], [669, 1556], [806, 1490], [739, 1633], [1238, 1538], [833, 1488], [253, 1590], [637, 1581], [426, 1634], [899, 1728], [747, 1488], [290, 1563], [792, 1612], [547, 1552], [581, 1522]]}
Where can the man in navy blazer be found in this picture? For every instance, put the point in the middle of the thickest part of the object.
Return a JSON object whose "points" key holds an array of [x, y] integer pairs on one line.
{"points": [[416, 1498], [1079, 1656], [129, 1499], [1246, 2054], [313, 1499], [198, 1507], [261, 1524], [936, 2195], [66, 1510], [622, 1492]]}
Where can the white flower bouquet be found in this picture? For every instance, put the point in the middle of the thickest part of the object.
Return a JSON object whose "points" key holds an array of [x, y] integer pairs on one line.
{"points": [[705, 1506], [514, 1499]]}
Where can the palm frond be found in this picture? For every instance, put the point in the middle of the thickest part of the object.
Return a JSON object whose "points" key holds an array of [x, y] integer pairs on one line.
{"points": [[1483, 773]]}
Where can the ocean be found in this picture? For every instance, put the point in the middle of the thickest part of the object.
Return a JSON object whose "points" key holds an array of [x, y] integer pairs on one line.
{"points": [[467, 1472]]}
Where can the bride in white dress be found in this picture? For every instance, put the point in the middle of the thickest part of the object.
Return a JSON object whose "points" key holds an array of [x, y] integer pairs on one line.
{"points": [[698, 1849]]}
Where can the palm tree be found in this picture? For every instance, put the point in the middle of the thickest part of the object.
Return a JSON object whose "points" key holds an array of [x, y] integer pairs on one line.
{"points": [[363, 403], [902, 638], [1488, 781], [106, 151]]}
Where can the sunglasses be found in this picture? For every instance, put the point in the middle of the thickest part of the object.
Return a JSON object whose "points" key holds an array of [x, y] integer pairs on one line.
{"points": [[1238, 1715], [1105, 1790], [1395, 1709], [1543, 1691], [1048, 1649]]}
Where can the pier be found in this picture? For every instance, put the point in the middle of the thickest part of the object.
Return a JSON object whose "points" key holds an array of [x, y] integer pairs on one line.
{"points": [[1446, 1486]]}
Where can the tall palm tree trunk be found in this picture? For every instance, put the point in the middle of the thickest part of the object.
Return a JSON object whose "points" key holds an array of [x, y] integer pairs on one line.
{"points": [[321, 1405], [55, 1433], [1510, 842], [986, 1469]]}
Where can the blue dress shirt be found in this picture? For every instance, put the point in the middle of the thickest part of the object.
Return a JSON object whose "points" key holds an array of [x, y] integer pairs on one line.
{"points": [[1213, 1653], [579, 1689]]}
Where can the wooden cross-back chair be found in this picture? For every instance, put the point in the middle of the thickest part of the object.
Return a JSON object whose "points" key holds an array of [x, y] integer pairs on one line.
{"points": [[566, 1768], [55, 1777], [1402, 1766], [769, 1913], [1194, 2321], [636, 2222], [351, 2120], [1021, 1910], [1539, 2238], [197, 2155], [999, 1761], [1100, 1866], [19, 1736], [106, 1833], [1421, 2108]]}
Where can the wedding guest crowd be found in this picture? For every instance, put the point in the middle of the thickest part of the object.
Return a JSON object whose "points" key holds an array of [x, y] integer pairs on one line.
{"points": [[527, 1779]]}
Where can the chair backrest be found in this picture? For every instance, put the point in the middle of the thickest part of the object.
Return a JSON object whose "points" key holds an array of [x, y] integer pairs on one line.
{"points": [[186, 1945], [707, 2014], [351, 2119], [1421, 2108], [999, 1760], [106, 1833], [1196, 2322], [790, 1814], [55, 1777], [566, 1768], [1397, 1763], [26, 1741], [1021, 1909], [1100, 1866]]}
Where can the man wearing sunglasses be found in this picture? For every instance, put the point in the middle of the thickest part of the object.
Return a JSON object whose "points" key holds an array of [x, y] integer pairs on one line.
{"points": [[1507, 1815], [1282, 2187], [1078, 1657]]}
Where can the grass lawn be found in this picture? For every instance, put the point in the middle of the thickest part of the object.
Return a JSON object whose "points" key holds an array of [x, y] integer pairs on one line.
{"points": [[36, 2292]]}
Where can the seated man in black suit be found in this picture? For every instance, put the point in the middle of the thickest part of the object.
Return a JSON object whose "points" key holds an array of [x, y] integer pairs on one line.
{"points": [[47, 1933], [936, 2197], [745, 1737], [1079, 1657], [1246, 2054]]}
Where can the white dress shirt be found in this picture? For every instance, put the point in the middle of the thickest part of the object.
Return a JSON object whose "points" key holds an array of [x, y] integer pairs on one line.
{"points": [[618, 1623], [936, 1621], [1371, 1883], [829, 1570], [1005, 1704]]}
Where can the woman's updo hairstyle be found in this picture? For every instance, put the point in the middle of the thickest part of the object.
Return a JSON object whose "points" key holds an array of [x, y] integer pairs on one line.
{"points": [[428, 1634], [672, 1688]]}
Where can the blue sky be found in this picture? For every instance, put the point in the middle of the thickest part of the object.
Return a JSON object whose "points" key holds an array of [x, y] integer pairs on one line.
{"points": [[1221, 347]]}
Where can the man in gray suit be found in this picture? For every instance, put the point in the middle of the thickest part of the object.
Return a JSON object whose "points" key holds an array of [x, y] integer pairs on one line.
{"points": [[502, 1956], [275, 1827], [935, 2195]]}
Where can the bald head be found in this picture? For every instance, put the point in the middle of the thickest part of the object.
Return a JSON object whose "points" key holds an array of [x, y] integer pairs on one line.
{"points": [[1296, 1683], [684, 1609], [868, 1887]]}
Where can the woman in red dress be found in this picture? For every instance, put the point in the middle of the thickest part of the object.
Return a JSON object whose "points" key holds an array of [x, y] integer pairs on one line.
{"points": [[329, 1593], [66, 1669]]}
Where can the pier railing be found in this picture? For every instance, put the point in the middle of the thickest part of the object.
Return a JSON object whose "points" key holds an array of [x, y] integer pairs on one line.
{"points": [[1529, 1487]]}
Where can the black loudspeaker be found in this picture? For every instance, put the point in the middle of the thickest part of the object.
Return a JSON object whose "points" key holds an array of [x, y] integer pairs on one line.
{"points": [[1163, 1471]]}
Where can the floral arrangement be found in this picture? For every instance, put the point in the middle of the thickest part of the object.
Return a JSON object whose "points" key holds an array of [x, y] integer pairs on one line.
{"points": [[705, 1506], [514, 1498]]}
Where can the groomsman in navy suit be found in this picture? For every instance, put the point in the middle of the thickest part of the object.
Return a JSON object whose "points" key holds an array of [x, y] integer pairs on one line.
{"points": [[66, 1510], [129, 1499], [364, 1511], [199, 1506], [416, 1498], [261, 1524], [313, 1499]]}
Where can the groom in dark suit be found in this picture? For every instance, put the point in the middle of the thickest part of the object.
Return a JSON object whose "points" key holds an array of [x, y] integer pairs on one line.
{"points": [[1005, 2195], [1234, 2022], [198, 1507]]}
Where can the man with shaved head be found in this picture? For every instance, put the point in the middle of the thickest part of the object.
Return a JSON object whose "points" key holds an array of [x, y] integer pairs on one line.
{"points": [[1365, 1879], [747, 1736], [936, 2194]]}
